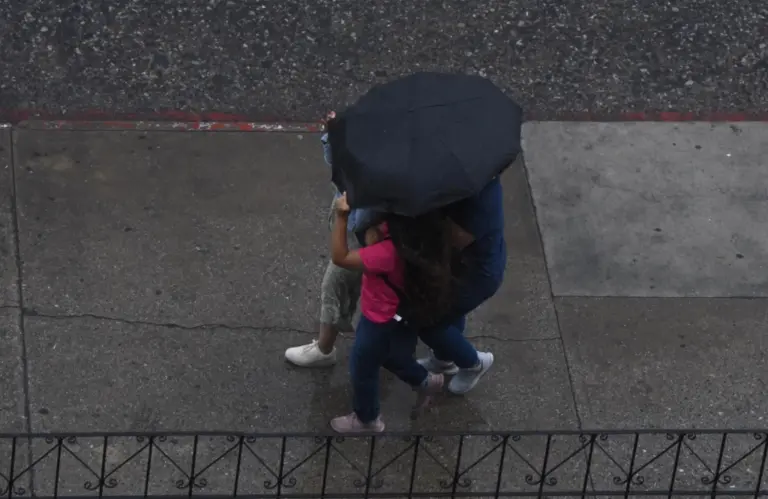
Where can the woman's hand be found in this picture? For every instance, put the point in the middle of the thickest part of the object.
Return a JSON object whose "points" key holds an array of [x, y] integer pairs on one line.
{"points": [[329, 117], [342, 207]]}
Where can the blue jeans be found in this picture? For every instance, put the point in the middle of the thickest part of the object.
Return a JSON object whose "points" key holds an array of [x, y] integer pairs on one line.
{"points": [[388, 345], [480, 283]]}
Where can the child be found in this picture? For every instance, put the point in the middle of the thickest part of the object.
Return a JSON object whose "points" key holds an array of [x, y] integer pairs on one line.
{"points": [[391, 261]]}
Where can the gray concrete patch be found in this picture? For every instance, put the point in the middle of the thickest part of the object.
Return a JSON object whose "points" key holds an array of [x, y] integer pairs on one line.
{"points": [[522, 308], [8, 270], [667, 363], [170, 227], [652, 209], [12, 399]]}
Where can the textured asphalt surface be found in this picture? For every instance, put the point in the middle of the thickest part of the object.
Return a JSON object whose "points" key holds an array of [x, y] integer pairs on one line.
{"points": [[292, 60]]}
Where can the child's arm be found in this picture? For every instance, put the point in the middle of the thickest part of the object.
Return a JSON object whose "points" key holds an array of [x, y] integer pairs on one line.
{"points": [[341, 256]]}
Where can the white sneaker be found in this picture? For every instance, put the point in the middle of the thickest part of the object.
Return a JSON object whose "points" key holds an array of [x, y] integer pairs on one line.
{"points": [[310, 356], [466, 379], [437, 366]]}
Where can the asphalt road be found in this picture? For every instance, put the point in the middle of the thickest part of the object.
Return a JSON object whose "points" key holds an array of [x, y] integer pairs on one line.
{"points": [[293, 60]]}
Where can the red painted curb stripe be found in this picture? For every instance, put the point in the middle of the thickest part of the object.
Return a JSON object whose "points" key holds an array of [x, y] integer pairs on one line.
{"points": [[191, 121], [172, 126]]}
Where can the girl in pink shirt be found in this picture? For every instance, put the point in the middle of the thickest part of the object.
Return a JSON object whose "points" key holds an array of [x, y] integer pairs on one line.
{"points": [[403, 257]]}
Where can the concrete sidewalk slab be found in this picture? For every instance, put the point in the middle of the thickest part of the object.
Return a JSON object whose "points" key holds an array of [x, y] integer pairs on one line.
{"points": [[8, 270], [172, 227], [652, 209], [12, 397], [166, 228], [667, 363], [91, 375]]}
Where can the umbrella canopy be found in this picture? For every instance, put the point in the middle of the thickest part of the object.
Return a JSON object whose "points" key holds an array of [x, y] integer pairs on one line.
{"points": [[423, 141]]}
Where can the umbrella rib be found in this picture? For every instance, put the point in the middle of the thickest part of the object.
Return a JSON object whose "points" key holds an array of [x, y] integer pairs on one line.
{"points": [[443, 104], [414, 109]]}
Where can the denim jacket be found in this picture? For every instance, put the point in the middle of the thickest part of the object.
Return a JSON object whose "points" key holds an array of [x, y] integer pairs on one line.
{"points": [[359, 219]]}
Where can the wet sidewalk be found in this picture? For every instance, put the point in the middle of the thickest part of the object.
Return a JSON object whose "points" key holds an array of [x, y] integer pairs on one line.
{"points": [[164, 273]]}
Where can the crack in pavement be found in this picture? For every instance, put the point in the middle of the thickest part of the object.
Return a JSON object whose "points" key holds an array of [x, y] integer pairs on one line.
{"points": [[202, 327], [171, 325]]}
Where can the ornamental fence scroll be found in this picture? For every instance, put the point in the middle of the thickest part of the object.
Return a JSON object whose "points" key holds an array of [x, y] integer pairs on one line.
{"points": [[693, 463]]}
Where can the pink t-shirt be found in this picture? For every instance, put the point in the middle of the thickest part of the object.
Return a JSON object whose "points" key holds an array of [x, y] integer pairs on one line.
{"points": [[378, 301]]}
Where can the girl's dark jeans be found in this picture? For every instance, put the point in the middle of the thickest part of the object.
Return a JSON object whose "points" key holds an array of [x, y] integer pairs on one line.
{"points": [[389, 345]]}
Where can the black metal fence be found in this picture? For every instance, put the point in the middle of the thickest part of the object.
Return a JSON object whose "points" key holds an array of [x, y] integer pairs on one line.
{"points": [[503, 464]]}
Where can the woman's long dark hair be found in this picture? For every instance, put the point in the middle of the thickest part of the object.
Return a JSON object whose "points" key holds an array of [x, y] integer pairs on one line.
{"points": [[424, 244]]}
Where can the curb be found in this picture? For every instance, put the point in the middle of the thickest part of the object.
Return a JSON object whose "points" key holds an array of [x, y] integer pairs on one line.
{"points": [[177, 121], [167, 126]]}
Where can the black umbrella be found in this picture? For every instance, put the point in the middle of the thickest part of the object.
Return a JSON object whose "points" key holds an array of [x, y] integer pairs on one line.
{"points": [[423, 141]]}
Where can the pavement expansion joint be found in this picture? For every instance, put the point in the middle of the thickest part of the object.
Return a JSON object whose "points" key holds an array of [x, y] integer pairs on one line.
{"points": [[27, 312], [171, 325]]}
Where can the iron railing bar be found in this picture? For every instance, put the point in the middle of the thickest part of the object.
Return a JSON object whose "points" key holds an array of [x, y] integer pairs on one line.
{"points": [[126, 461], [696, 454], [260, 459], [389, 463], [435, 494], [167, 457], [192, 475], [345, 458], [58, 470], [77, 458], [567, 459], [716, 477], [674, 465], [480, 459], [239, 464], [429, 453], [631, 465], [300, 463], [501, 466], [543, 474], [458, 467], [736, 462], [412, 481], [104, 444], [522, 458], [762, 466], [610, 457], [325, 467], [488, 433], [653, 460], [222, 456], [281, 467], [589, 464], [370, 467], [150, 445]]}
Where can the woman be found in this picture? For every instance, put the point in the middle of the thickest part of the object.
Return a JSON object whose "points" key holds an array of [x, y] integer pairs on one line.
{"points": [[339, 291], [404, 259]]}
